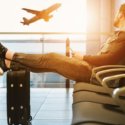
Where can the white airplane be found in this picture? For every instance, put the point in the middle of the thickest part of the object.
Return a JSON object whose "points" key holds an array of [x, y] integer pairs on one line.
{"points": [[44, 14]]}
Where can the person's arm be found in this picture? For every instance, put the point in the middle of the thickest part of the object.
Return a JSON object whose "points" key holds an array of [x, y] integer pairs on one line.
{"points": [[111, 58]]}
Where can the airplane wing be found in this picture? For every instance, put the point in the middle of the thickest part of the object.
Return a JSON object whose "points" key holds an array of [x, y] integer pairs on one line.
{"points": [[31, 11]]}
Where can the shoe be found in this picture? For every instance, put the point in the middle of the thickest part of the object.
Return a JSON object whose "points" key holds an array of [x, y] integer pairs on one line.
{"points": [[3, 67], [3, 51]]}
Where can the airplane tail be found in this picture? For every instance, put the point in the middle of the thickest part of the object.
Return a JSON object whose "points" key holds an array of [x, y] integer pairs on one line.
{"points": [[25, 21]]}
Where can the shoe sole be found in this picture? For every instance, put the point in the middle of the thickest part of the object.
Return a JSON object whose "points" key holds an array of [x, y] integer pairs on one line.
{"points": [[1, 72]]}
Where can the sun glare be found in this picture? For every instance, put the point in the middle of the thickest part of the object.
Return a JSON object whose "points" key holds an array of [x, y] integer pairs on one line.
{"points": [[74, 16]]}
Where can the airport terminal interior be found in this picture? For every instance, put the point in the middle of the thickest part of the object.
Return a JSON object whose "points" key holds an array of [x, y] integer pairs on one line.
{"points": [[45, 26]]}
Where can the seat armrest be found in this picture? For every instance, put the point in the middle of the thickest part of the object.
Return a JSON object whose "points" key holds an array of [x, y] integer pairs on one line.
{"points": [[106, 66], [106, 79], [116, 95], [117, 92], [106, 71]]}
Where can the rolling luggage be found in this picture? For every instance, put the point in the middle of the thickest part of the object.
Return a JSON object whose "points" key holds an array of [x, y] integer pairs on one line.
{"points": [[18, 97]]}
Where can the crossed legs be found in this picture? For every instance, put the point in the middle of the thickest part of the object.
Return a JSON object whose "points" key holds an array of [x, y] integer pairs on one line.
{"points": [[50, 62]]}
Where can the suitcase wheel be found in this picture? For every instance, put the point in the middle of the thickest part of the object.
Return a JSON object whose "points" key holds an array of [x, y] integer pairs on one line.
{"points": [[28, 123]]}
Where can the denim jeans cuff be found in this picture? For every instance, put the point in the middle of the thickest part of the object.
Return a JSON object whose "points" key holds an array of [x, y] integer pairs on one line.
{"points": [[13, 63], [14, 56]]}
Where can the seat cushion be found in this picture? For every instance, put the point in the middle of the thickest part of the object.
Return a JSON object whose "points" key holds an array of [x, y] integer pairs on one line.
{"points": [[80, 86], [90, 112], [86, 96]]}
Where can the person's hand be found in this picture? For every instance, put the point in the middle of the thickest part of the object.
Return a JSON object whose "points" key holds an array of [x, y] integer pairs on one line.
{"points": [[77, 55]]}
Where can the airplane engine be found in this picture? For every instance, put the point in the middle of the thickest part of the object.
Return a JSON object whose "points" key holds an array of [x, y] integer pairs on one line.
{"points": [[47, 18]]}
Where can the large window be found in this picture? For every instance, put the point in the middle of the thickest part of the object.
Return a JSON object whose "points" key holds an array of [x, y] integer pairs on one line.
{"points": [[71, 17]]}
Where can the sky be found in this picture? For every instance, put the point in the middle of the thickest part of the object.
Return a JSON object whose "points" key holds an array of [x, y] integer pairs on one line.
{"points": [[71, 16]]}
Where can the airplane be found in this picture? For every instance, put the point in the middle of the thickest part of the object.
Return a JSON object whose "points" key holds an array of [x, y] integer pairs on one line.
{"points": [[44, 14]]}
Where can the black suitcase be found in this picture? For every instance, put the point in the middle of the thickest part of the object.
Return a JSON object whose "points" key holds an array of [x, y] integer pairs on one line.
{"points": [[18, 97]]}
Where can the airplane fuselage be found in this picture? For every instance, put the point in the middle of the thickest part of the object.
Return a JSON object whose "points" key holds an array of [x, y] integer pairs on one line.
{"points": [[44, 14]]}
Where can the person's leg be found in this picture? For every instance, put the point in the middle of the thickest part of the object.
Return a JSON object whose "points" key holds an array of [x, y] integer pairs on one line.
{"points": [[5, 64], [53, 62]]}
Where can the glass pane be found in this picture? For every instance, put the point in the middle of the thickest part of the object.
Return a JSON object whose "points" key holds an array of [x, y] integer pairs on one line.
{"points": [[53, 79], [71, 16], [24, 47], [42, 79]]}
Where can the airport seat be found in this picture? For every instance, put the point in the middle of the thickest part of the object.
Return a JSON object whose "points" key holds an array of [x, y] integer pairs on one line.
{"points": [[85, 96], [93, 105], [90, 112], [95, 93], [79, 86]]}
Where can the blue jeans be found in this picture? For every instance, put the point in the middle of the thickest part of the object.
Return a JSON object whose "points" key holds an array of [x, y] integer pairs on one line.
{"points": [[79, 71]]}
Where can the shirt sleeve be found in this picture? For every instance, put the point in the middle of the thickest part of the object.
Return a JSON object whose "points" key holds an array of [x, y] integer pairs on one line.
{"points": [[111, 58]]}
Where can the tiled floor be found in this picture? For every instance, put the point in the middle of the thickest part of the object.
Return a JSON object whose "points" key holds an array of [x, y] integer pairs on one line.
{"points": [[49, 106]]}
